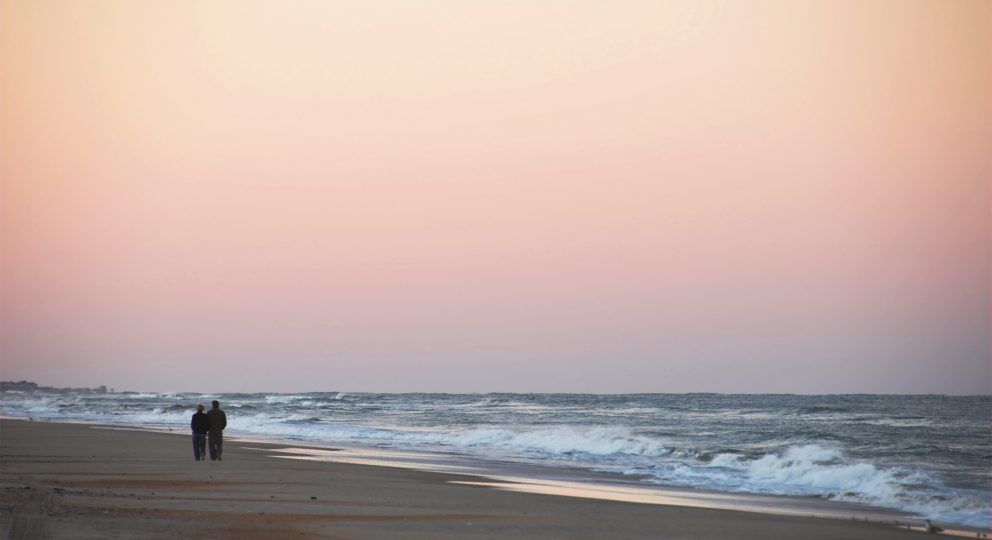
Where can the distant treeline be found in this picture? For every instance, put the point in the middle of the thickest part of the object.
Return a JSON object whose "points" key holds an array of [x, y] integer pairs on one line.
{"points": [[30, 387]]}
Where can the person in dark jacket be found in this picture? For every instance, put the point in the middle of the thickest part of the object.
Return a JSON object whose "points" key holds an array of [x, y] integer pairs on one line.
{"points": [[218, 421], [200, 425]]}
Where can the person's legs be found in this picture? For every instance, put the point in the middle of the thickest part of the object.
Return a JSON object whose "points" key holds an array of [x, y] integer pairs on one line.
{"points": [[202, 440], [197, 448], [220, 445], [214, 444]]}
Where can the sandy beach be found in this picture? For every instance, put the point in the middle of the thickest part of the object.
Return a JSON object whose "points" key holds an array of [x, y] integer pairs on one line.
{"points": [[82, 481]]}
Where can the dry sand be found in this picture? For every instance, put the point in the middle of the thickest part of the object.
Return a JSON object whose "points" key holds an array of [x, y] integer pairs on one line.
{"points": [[79, 481]]}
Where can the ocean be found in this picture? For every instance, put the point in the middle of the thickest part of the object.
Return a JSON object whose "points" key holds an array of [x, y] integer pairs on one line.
{"points": [[927, 455]]}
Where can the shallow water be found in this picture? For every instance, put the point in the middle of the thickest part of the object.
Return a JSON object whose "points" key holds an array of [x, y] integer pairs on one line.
{"points": [[926, 455]]}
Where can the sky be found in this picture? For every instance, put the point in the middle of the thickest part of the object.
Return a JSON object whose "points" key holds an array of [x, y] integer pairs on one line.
{"points": [[459, 196]]}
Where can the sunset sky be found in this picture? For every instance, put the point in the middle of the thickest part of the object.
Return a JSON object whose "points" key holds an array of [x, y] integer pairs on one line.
{"points": [[656, 196]]}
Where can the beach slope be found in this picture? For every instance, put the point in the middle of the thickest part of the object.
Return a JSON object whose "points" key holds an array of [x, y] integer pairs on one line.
{"points": [[80, 481]]}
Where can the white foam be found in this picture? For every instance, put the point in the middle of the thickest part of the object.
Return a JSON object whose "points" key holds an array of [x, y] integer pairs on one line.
{"points": [[285, 398], [599, 441], [819, 469], [824, 469]]}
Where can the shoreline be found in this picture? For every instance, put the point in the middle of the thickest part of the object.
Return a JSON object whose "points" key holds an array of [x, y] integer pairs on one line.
{"points": [[854, 450], [566, 481], [79, 478]]}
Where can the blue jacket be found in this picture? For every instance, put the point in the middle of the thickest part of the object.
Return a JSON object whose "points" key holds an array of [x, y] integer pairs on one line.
{"points": [[200, 423]]}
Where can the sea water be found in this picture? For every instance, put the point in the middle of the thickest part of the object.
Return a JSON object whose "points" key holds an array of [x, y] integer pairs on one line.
{"points": [[927, 455]]}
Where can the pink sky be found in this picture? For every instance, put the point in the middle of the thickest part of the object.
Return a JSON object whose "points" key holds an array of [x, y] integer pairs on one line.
{"points": [[497, 196]]}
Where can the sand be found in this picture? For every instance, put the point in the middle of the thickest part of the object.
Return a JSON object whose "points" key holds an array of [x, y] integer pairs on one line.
{"points": [[79, 481]]}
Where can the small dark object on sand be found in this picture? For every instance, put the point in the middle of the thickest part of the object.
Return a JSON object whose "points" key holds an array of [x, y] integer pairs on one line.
{"points": [[313, 498], [931, 528]]}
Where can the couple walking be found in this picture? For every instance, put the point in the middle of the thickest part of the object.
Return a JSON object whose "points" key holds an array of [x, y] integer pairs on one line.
{"points": [[213, 422]]}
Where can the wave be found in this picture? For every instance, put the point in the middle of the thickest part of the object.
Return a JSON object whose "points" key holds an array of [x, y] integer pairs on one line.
{"points": [[278, 399], [818, 469], [826, 471], [562, 440]]}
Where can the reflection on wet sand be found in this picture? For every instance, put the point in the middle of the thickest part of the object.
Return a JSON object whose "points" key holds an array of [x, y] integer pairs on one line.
{"points": [[589, 484]]}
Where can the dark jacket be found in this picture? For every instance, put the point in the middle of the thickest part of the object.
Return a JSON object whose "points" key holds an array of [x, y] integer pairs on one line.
{"points": [[200, 423], [218, 420]]}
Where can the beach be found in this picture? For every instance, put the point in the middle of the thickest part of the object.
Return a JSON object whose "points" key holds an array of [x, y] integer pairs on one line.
{"points": [[83, 481]]}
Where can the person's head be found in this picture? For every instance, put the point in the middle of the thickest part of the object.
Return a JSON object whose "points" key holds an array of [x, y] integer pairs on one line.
{"points": [[199, 408], [215, 403]]}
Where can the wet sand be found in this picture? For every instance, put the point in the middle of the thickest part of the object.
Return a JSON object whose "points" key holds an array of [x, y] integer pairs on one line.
{"points": [[79, 481]]}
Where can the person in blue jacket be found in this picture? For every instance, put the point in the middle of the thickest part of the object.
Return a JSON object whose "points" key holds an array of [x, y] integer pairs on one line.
{"points": [[200, 425]]}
